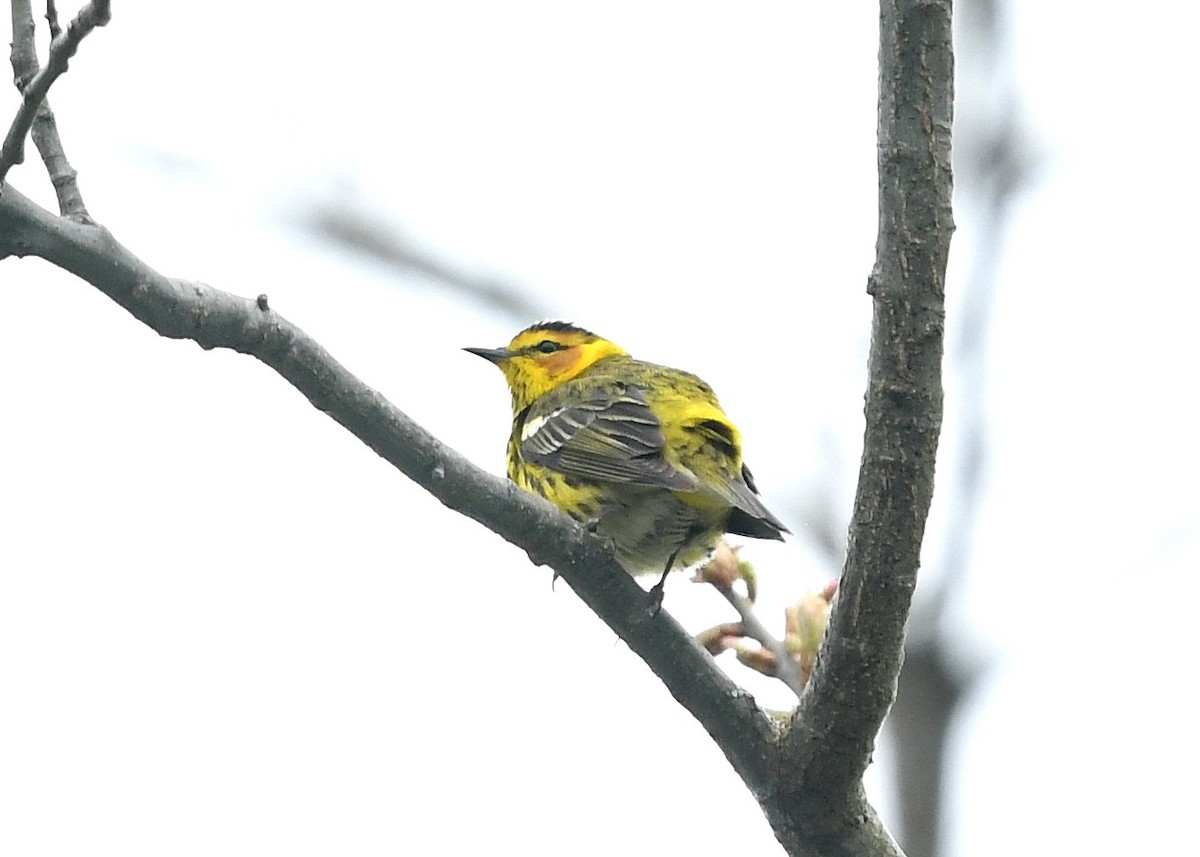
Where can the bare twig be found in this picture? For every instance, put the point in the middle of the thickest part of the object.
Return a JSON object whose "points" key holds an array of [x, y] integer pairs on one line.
{"points": [[62, 175], [35, 83], [723, 571], [52, 19], [786, 668]]}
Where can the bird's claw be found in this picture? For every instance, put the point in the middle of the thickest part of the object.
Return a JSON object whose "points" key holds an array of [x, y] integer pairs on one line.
{"points": [[656, 599]]}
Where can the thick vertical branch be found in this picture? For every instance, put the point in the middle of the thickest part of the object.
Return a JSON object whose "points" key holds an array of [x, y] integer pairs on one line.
{"points": [[833, 733], [992, 164]]}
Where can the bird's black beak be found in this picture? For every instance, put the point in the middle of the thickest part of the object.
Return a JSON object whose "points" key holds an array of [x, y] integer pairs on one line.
{"points": [[492, 355]]}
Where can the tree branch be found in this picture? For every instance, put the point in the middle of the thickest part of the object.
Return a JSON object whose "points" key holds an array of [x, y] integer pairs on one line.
{"points": [[214, 319], [722, 572], [832, 736], [808, 781], [34, 84], [52, 19], [993, 164], [786, 668]]}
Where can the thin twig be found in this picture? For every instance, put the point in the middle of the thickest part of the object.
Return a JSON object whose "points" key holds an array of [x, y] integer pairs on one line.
{"points": [[34, 88], [52, 19], [62, 175], [23, 50], [787, 670], [45, 129]]}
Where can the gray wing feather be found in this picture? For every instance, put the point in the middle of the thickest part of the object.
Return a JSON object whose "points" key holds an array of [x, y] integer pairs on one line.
{"points": [[608, 436]]}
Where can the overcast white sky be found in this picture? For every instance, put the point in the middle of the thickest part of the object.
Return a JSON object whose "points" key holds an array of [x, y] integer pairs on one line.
{"points": [[227, 627]]}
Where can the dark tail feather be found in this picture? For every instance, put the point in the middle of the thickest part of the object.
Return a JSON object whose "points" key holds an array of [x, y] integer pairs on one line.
{"points": [[744, 524]]}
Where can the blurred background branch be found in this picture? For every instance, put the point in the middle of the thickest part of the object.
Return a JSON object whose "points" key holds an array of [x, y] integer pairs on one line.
{"points": [[372, 237]]}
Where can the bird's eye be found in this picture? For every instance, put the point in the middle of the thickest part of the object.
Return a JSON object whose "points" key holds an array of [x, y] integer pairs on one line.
{"points": [[548, 346]]}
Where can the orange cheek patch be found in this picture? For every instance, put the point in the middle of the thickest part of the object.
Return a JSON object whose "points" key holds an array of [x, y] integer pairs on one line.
{"points": [[561, 362]]}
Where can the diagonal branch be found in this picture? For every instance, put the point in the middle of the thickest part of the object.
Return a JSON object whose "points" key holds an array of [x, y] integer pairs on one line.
{"points": [[34, 83], [214, 319]]}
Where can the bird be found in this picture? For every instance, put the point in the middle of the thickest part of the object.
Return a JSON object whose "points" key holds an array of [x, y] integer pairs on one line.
{"points": [[642, 454]]}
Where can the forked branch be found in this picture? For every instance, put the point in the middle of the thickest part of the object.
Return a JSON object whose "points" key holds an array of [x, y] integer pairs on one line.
{"points": [[808, 779]]}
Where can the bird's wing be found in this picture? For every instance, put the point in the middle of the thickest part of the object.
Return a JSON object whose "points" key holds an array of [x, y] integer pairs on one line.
{"points": [[608, 434], [735, 484]]}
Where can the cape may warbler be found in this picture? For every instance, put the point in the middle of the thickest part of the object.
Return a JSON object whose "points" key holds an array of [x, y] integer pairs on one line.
{"points": [[642, 453]]}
